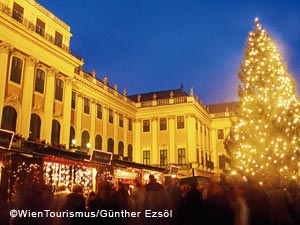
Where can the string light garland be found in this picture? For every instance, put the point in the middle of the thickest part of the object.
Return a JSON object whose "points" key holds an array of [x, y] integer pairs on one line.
{"points": [[265, 138]]}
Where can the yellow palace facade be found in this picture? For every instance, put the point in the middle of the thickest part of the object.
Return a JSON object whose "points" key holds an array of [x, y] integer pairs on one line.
{"points": [[46, 95]]}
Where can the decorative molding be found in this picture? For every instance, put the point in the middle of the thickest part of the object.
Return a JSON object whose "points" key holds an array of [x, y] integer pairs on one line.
{"points": [[37, 109], [5, 47], [69, 81], [51, 72], [31, 61], [57, 114], [12, 100]]}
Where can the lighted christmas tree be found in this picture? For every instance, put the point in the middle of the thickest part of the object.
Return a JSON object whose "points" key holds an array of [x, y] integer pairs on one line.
{"points": [[266, 134]]}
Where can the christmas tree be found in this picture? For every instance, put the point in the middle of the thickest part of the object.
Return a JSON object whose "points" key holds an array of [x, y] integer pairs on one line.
{"points": [[266, 134]]}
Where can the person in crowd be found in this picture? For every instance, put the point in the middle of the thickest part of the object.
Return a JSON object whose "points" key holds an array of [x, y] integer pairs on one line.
{"points": [[155, 199], [294, 191], [194, 205], [74, 202], [60, 197], [138, 195], [106, 199], [217, 208], [258, 203], [90, 198], [280, 200], [239, 205], [173, 197]]}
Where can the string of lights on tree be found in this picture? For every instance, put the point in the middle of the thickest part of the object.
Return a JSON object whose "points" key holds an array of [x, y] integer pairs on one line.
{"points": [[265, 138]]}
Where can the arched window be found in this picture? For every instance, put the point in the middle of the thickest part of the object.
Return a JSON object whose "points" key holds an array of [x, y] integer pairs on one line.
{"points": [[9, 118], [55, 134], [72, 137], [110, 145], [35, 126], [98, 142], [130, 153], [85, 139], [121, 148]]}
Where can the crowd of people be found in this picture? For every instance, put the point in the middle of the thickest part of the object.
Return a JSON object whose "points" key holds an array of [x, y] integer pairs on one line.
{"points": [[209, 203]]}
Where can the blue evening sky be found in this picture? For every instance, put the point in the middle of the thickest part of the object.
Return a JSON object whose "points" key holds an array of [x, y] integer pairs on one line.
{"points": [[153, 45]]}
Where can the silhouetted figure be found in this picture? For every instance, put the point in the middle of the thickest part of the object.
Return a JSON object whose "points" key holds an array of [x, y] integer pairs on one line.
{"points": [[217, 209], [279, 201], [293, 189], [258, 203], [194, 205], [74, 202]]}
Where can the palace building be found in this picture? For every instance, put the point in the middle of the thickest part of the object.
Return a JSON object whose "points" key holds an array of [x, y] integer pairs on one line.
{"points": [[45, 95]]}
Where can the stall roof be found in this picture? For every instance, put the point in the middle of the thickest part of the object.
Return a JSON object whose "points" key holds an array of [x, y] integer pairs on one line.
{"points": [[42, 150]]}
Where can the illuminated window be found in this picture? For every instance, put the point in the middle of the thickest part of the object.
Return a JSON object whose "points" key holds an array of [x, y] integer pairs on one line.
{"points": [[181, 156], [163, 157], [146, 157]]}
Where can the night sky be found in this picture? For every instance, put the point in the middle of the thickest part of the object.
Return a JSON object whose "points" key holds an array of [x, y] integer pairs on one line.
{"points": [[153, 45]]}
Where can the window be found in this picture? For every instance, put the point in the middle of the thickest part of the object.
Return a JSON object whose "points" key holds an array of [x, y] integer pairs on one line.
{"points": [[146, 157], [9, 118], [18, 12], [39, 81], [202, 157], [16, 70], [130, 153], [58, 39], [85, 139], [72, 140], [55, 134], [35, 126], [163, 124], [40, 27], [130, 124], [220, 134], [59, 89], [121, 120], [146, 125], [73, 101], [86, 105], [121, 148], [181, 156], [198, 156], [98, 142], [99, 111], [110, 116], [110, 145], [163, 157], [180, 122]]}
